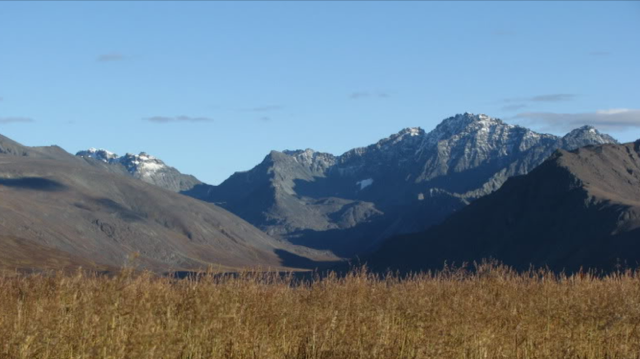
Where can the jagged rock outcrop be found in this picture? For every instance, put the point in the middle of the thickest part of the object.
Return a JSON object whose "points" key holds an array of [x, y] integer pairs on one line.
{"points": [[144, 167]]}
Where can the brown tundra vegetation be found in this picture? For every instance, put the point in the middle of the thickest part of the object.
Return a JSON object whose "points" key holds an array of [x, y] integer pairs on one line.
{"points": [[490, 312]]}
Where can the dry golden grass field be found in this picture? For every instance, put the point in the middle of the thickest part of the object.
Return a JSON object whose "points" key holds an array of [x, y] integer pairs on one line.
{"points": [[489, 313]]}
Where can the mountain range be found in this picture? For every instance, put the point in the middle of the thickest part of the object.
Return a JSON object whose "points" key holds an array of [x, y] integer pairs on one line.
{"points": [[61, 211], [579, 209], [405, 183], [472, 187]]}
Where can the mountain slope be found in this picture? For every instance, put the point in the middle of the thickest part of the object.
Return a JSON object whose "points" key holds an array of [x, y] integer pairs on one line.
{"points": [[404, 183], [59, 210], [577, 209], [143, 167]]}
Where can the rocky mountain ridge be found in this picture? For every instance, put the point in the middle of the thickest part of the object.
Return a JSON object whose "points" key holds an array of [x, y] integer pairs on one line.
{"points": [[403, 183], [60, 211], [579, 209], [144, 167]]}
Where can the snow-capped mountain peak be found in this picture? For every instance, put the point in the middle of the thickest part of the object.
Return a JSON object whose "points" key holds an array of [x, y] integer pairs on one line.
{"points": [[411, 132], [142, 164], [467, 127], [144, 167], [98, 154], [585, 135], [405, 136], [466, 122]]}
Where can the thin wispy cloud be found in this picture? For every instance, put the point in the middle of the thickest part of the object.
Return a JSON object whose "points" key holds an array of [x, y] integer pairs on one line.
{"points": [[265, 119], [553, 98], [557, 97], [610, 119], [8, 120], [177, 119], [515, 107], [265, 108], [110, 57], [518, 103], [357, 95]]}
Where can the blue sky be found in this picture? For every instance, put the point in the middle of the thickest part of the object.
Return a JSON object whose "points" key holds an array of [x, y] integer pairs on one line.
{"points": [[212, 87]]}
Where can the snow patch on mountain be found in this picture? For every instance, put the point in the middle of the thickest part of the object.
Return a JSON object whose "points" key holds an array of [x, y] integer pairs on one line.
{"points": [[146, 168], [98, 154], [364, 183], [583, 135], [142, 164]]}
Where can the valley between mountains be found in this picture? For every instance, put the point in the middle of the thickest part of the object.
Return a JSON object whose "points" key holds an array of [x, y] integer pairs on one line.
{"points": [[472, 188]]}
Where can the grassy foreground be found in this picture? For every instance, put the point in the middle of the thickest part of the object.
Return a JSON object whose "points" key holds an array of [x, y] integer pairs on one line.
{"points": [[492, 313]]}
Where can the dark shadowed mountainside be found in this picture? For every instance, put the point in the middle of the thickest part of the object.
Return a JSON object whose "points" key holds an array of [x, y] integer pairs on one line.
{"points": [[577, 209]]}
